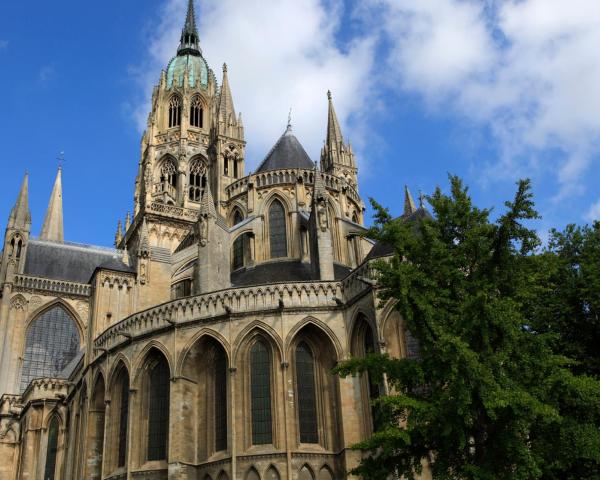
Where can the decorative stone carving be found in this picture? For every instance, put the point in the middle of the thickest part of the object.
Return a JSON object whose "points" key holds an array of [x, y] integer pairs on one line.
{"points": [[18, 302], [35, 302]]}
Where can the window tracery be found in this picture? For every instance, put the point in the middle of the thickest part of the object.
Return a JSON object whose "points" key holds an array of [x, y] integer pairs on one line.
{"points": [[260, 386], [52, 342], [174, 111], [277, 230], [196, 113], [158, 410], [197, 180]]}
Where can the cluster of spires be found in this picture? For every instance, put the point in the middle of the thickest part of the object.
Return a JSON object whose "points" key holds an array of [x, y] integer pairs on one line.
{"points": [[52, 228]]}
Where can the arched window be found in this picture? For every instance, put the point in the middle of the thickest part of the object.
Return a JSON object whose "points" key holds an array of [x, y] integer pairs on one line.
{"points": [[168, 173], [196, 113], [220, 400], [19, 246], [260, 388], [174, 111], [237, 216], [158, 410], [52, 342], [369, 348], [277, 230], [123, 418], [52, 450], [238, 252], [197, 182], [307, 399]]}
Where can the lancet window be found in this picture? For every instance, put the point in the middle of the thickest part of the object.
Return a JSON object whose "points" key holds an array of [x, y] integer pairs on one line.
{"points": [[175, 111], [260, 388], [52, 450], [307, 398], [197, 182], [196, 113], [52, 342], [220, 400], [158, 410], [277, 230]]}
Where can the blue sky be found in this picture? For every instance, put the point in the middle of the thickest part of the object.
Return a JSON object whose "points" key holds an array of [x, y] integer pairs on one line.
{"points": [[490, 90]]}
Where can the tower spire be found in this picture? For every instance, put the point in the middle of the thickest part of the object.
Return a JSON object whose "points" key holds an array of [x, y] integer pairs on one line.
{"points": [[226, 108], [409, 203], [334, 131], [52, 229], [189, 43], [20, 217]]}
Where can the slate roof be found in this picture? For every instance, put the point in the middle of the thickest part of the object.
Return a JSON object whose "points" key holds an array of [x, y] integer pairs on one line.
{"points": [[383, 250], [70, 261], [288, 152], [275, 272]]}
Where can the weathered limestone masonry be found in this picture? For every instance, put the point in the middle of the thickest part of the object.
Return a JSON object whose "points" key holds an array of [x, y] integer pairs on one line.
{"points": [[201, 345]]}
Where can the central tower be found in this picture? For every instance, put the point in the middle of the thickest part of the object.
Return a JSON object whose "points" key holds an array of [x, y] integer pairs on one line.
{"points": [[192, 137]]}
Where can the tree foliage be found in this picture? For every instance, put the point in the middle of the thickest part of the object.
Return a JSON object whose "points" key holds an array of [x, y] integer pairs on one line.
{"points": [[506, 383]]}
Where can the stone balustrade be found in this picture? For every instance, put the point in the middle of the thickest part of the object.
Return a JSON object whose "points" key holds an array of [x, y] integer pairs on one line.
{"points": [[47, 285], [243, 300], [288, 176], [187, 214]]}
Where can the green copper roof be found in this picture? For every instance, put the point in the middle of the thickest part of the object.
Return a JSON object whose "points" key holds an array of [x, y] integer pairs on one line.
{"points": [[198, 71]]}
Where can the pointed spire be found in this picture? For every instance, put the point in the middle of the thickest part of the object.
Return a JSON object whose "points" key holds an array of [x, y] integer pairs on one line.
{"points": [[207, 204], [20, 217], [127, 221], [52, 229], [334, 131], [119, 234], [409, 203], [189, 43], [226, 112], [319, 186]]}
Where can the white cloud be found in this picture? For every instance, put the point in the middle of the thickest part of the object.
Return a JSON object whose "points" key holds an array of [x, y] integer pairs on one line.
{"points": [[527, 69], [593, 212], [280, 54]]}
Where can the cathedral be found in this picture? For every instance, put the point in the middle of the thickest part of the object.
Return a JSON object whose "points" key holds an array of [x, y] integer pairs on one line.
{"points": [[202, 345]]}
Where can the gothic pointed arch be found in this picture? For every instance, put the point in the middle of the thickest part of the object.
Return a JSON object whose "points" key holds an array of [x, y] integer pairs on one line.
{"points": [[205, 367], [197, 178], [165, 180], [95, 429], [272, 473], [118, 426], [363, 341], [197, 112], [155, 401], [277, 226], [52, 341], [252, 474], [306, 473], [317, 398], [52, 445], [251, 330], [174, 112]]}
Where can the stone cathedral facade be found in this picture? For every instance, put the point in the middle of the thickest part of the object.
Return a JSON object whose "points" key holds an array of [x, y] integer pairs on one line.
{"points": [[201, 346]]}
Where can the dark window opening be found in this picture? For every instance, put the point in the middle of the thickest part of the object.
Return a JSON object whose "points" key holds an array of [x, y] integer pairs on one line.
{"points": [[238, 252], [307, 398], [158, 411], [174, 112], [220, 401], [260, 391], [181, 289], [235, 168], [277, 230], [52, 450], [196, 113], [197, 182], [374, 391], [123, 421]]}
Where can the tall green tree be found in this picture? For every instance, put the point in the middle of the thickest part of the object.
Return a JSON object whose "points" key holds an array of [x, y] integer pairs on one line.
{"points": [[489, 397]]}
